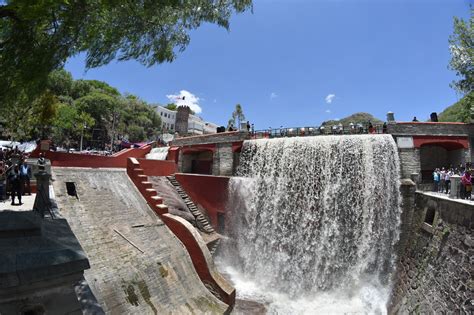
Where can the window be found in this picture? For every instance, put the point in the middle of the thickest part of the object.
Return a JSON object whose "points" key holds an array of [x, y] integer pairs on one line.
{"points": [[430, 216], [172, 126], [161, 113]]}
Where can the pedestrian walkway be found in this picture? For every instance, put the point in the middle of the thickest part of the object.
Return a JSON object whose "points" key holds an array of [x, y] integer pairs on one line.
{"points": [[445, 196], [28, 202]]}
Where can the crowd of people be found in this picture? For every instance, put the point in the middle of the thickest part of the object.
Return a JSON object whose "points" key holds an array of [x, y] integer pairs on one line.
{"points": [[442, 180], [15, 174]]}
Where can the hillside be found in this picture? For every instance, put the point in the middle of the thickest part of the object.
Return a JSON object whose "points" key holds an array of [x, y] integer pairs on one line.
{"points": [[362, 118], [459, 111]]}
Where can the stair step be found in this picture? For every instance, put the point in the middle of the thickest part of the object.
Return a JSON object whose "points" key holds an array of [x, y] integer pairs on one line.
{"points": [[150, 192], [157, 199]]}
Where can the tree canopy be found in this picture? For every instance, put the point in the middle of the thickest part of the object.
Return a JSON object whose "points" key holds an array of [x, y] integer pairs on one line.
{"points": [[462, 54], [37, 37], [72, 109], [237, 116]]}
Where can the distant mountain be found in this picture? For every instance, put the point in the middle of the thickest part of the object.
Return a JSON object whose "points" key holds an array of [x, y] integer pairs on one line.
{"points": [[459, 111], [362, 118]]}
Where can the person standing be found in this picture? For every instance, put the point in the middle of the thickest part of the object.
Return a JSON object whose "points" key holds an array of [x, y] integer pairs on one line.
{"points": [[436, 180], [442, 175], [447, 180], [15, 184], [466, 183], [25, 175]]}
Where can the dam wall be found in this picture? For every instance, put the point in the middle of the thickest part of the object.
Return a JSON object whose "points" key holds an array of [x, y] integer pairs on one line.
{"points": [[138, 266], [434, 270]]}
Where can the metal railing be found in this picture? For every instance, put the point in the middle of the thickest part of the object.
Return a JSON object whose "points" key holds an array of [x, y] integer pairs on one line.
{"points": [[319, 131]]}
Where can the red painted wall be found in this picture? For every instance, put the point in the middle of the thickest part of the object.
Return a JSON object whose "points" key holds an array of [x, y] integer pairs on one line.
{"points": [[197, 257], [449, 142], [208, 191], [136, 173], [119, 160], [157, 167]]}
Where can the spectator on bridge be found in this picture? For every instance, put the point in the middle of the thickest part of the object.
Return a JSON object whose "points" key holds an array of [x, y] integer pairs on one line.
{"points": [[384, 127], [447, 180], [436, 180], [466, 184], [414, 119], [371, 127], [442, 175]]}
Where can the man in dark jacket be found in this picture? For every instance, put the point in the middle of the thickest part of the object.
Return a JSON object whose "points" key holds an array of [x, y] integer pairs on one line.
{"points": [[15, 182]]}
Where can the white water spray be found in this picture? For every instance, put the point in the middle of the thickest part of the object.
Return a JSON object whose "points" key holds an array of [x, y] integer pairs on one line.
{"points": [[315, 221]]}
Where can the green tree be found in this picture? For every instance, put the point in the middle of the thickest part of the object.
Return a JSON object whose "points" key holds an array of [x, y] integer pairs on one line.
{"points": [[70, 125], [171, 106], [238, 115], [37, 37], [462, 54]]}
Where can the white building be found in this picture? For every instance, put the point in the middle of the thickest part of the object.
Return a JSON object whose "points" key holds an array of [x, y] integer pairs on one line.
{"points": [[196, 125], [168, 118]]}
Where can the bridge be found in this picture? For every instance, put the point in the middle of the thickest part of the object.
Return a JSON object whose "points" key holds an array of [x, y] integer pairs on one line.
{"points": [[320, 130]]}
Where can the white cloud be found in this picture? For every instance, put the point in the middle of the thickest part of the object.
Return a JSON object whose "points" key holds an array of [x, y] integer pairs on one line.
{"points": [[190, 100], [328, 111], [273, 95], [330, 98]]}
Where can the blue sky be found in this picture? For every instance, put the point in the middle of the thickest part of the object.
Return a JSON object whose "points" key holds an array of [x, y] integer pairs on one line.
{"points": [[301, 62]]}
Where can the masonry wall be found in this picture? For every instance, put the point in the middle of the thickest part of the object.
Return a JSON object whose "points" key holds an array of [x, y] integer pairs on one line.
{"points": [[409, 161], [224, 137], [426, 128], [223, 161], [434, 273]]}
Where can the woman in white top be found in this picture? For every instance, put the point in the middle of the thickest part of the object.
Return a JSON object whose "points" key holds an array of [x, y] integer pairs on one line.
{"points": [[447, 180]]}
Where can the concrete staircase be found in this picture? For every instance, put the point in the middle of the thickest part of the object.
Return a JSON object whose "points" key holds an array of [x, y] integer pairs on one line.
{"points": [[202, 222]]}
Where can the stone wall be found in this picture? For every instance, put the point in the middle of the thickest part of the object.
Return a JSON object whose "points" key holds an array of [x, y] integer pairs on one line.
{"points": [[409, 161], [223, 161], [434, 273], [138, 266], [224, 137], [443, 129]]}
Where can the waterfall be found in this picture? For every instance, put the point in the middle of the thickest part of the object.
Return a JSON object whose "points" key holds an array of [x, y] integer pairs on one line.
{"points": [[317, 218], [158, 153]]}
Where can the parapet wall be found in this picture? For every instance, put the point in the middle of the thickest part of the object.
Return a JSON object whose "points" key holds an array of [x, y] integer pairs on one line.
{"points": [[118, 160], [430, 128], [224, 137], [434, 272]]}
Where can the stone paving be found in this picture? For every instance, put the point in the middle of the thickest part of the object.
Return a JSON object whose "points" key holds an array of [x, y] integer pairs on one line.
{"points": [[137, 265], [28, 202]]}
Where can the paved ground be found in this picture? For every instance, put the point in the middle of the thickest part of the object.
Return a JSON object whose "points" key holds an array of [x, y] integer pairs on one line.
{"points": [[27, 205], [137, 265]]}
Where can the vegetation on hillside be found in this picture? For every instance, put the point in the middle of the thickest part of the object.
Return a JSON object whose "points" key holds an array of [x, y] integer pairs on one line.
{"points": [[73, 109], [363, 118], [459, 111]]}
